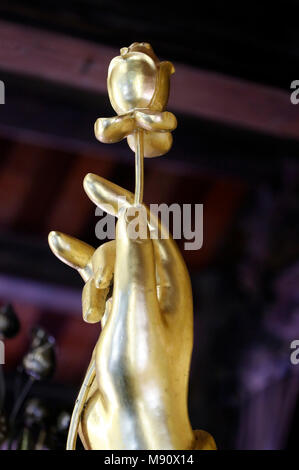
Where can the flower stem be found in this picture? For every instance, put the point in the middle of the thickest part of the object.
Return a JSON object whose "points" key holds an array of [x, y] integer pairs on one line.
{"points": [[139, 174]]}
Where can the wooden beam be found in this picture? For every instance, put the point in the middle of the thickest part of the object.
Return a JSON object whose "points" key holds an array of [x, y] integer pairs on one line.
{"points": [[207, 95], [16, 178], [235, 102], [47, 296]]}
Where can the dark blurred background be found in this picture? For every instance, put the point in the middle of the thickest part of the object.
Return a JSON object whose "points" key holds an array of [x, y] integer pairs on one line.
{"points": [[236, 150]]}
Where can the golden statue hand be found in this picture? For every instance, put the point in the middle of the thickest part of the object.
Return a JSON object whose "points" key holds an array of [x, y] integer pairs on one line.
{"points": [[142, 357]]}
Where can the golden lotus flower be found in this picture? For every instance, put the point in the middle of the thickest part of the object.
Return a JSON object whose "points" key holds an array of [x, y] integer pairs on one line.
{"points": [[138, 87]]}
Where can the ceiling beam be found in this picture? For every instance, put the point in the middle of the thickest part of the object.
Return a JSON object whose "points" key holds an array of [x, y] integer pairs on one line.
{"points": [[83, 64], [38, 293]]}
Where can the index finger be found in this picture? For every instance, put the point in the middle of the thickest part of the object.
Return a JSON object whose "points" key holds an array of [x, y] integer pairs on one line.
{"points": [[103, 194]]}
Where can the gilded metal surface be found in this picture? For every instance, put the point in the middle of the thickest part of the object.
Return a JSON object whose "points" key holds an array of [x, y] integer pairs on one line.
{"points": [[138, 87], [134, 394]]}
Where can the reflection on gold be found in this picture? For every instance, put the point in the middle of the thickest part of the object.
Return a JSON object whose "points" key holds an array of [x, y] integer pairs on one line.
{"points": [[138, 87], [134, 394]]}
